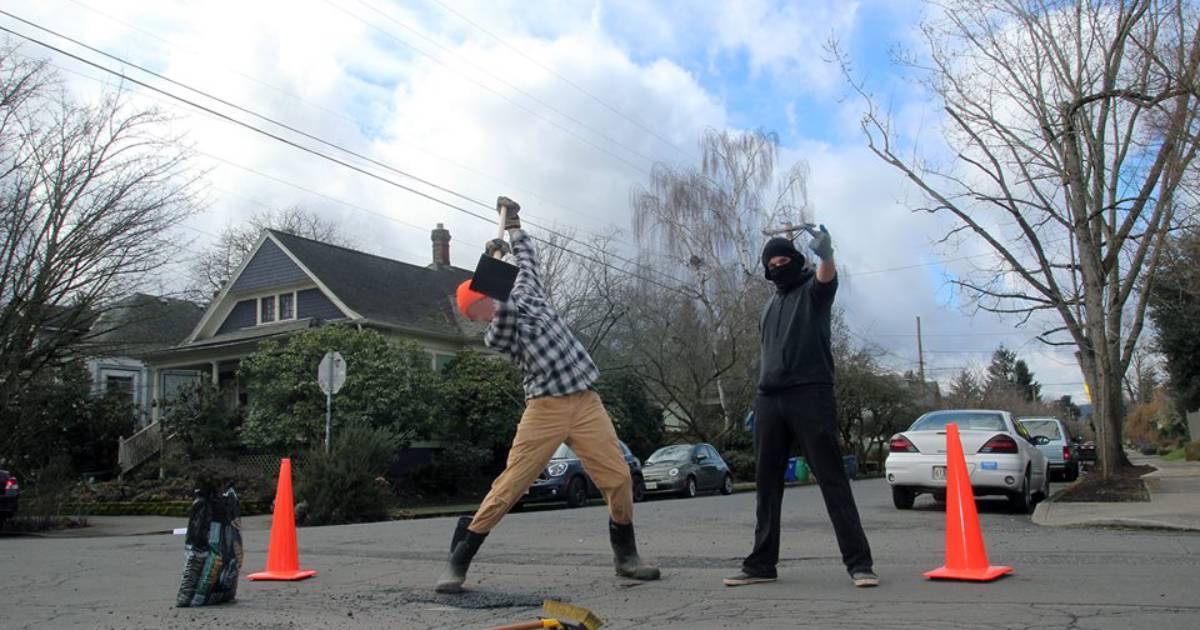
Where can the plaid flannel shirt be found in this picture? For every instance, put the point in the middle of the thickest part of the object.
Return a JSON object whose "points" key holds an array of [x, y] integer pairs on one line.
{"points": [[530, 333]]}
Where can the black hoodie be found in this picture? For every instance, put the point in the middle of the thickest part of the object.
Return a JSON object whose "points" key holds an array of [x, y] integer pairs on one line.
{"points": [[795, 333]]}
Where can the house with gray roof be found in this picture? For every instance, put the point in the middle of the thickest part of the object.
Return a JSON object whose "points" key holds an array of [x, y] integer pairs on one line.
{"points": [[288, 283], [127, 330]]}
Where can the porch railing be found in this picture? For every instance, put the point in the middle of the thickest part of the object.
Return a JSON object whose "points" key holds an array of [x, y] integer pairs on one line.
{"points": [[139, 447]]}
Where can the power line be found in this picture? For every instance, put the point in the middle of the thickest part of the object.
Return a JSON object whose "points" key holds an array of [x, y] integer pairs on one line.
{"points": [[332, 112], [315, 138], [219, 116], [316, 152], [560, 77]]}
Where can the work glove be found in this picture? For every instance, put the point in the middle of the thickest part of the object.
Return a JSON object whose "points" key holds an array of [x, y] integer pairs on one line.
{"points": [[497, 245], [821, 244], [513, 219]]}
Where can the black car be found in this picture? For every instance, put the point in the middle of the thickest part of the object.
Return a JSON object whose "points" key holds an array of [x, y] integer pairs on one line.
{"points": [[564, 479], [686, 469], [10, 492]]}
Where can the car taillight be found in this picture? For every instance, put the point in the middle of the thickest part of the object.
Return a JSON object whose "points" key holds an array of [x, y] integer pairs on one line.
{"points": [[1066, 452], [11, 484], [900, 444], [999, 444]]}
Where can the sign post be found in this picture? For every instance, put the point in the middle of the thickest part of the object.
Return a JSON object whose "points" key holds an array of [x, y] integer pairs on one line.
{"points": [[331, 375]]}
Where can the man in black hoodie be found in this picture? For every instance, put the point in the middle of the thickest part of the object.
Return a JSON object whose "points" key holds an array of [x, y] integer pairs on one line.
{"points": [[795, 402]]}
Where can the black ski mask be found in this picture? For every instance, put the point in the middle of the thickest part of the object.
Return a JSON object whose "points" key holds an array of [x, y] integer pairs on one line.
{"points": [[789, 275]]}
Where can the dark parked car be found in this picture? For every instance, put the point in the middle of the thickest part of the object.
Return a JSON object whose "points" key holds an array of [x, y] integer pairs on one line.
{"points": [[1087, 451], [686, 469], [565, 479], [10, 492]]}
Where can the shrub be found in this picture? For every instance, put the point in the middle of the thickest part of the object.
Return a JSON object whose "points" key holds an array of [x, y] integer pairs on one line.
{"points": [[456, 470], [346, 484], [1192, 451], [203, 426], [46, 498], [389, 384], [742, 464]]}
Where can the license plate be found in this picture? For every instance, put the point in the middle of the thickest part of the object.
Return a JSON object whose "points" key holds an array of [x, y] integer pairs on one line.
{"points": [[939, 473], [651, 485]]}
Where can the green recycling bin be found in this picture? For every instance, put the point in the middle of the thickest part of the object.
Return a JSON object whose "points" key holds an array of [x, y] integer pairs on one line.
{"points": [[797, 470]]}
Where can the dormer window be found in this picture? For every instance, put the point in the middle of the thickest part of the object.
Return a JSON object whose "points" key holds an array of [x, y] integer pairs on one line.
{"points": [[266, 309], [277, 308]]}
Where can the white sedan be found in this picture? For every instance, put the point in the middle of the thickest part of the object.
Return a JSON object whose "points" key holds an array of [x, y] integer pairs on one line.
{"points": [[1002, 458]]}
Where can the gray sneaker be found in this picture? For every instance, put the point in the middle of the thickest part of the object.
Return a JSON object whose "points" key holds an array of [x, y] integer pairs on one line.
{"points": [[864, 579], [745, 579]]}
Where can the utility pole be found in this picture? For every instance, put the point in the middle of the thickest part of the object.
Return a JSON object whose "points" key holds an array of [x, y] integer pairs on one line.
{"points": [[920, 357]]}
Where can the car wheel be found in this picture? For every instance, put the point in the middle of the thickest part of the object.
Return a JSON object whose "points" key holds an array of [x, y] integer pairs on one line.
{"points": [[1021, 502], [940, 497], [903, 497], [576, 492], [1072, 473], [689, 488], [639, 489], [727, 487]]}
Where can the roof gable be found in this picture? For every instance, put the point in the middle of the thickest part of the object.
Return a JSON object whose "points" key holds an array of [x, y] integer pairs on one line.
{"points": [[268, 267], [380, 289]]}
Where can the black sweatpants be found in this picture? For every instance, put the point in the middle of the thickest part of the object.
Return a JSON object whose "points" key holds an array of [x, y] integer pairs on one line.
{"points": [[806, 414]]}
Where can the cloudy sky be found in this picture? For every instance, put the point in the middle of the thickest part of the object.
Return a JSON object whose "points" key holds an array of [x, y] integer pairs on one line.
{"points": [[561, 105]]}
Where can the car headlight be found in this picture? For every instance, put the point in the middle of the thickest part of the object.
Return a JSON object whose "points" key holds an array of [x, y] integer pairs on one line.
{"points": [[556, 469], [674, 472]]}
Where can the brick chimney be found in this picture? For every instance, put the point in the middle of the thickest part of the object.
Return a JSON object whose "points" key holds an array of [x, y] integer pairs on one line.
{"points": [[441, 246]]}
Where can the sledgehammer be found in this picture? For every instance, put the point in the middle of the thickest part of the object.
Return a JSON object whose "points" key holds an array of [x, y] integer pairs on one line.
{"points": [[586, 620]]}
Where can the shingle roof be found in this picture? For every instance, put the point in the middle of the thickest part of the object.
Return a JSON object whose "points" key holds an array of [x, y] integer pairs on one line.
{"points": [[383, 290], [142, 322]]}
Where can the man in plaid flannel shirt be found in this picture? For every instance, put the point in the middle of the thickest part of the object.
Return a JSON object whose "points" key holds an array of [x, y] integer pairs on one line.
{"points": [[561, 407]]}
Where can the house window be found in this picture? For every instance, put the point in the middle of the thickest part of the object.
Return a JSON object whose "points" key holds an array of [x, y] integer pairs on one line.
{"points": [[287, 306], [279, 307], [116, 383], [440, 360], [266, 309]]}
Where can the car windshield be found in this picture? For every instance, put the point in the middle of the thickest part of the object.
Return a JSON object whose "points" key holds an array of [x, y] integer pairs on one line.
{"points": [[677, 453], [1047, 428], [980, 420], [564, 452]]}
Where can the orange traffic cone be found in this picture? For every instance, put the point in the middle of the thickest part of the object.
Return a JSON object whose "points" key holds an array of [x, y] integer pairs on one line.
{"points": [[966, 558], [283, 558]]}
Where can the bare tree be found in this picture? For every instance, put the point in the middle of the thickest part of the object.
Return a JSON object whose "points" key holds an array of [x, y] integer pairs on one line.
{"points": [[589, 287], [705, 226], [1072, 135], [217, 264], [90, 195]]}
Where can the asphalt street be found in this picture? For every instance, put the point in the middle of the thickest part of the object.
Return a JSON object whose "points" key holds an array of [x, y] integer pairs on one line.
{"points": [[380, 575]]}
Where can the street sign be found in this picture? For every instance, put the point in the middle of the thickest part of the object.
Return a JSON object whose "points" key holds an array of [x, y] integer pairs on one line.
{"points": [[331, 374]]}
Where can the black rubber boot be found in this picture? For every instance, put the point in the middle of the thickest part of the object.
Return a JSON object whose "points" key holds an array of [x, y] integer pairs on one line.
{"points": [[463, 546], [625, 554]]}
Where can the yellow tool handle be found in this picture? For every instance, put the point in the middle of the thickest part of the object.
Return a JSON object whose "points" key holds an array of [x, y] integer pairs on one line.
{"points": [[553, 624]]}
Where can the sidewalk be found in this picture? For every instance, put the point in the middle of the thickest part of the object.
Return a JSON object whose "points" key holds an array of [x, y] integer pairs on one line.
{"points": [[103, 526], [1174, 502]]}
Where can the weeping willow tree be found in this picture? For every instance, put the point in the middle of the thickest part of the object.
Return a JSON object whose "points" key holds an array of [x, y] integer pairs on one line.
{"points": [[703, 227]]}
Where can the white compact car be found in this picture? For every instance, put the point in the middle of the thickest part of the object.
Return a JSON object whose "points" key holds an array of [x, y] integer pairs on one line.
{"points": [[1002, 458]]}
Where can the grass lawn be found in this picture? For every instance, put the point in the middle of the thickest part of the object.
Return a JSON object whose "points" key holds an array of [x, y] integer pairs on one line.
{"points": [[1176, 455]]}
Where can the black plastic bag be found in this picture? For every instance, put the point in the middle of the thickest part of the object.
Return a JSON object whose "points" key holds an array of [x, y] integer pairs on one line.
{"points": [[214, 551]]}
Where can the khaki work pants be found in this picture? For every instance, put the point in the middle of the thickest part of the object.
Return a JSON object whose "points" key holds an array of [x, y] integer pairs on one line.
{"points": [[580, 421]]}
